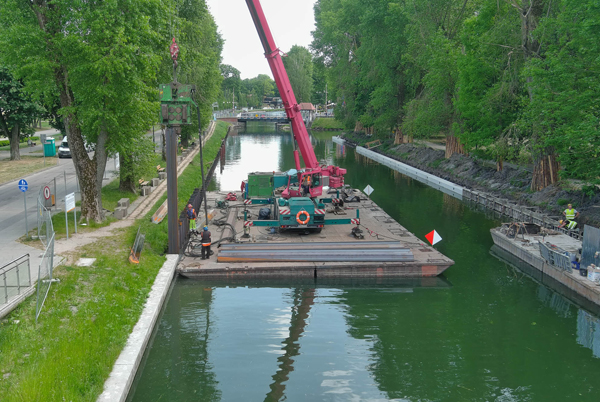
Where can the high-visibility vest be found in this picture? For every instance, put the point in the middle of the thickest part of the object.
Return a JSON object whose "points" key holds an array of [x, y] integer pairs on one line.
{"points": [[571, 225], [570, 214], [206, 238], [191, 213]]}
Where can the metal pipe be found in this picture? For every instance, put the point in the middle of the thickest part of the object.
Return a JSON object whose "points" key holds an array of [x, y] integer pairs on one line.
{"points": [[202, 165]]}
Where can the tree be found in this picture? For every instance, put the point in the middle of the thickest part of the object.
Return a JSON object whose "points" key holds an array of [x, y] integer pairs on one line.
{"points": [[199, 60], [17, 111], [299, 67], [100, 59]]}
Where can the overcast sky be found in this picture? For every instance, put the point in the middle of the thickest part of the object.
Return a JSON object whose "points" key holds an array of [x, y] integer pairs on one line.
{"points": [[291, 22]]}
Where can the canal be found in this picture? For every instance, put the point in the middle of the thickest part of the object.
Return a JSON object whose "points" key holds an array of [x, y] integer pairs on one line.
{"points": [[484, 331]]}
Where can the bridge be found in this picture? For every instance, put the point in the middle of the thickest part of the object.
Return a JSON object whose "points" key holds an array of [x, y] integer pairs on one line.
{"points": [[263, 117], [260, 116]]}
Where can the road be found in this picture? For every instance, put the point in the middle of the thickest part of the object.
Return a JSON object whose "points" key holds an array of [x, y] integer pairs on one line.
{"points": [[12, 213]]}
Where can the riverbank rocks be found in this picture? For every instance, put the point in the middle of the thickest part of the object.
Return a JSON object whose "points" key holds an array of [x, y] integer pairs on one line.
{"points": [[512, 182]]}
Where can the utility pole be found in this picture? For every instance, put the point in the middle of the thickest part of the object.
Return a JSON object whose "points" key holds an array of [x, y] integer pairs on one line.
{"points": [[325, 99]]}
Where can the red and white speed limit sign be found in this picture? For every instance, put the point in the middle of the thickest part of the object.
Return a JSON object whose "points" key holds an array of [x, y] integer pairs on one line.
{"points": [[47, 192]]}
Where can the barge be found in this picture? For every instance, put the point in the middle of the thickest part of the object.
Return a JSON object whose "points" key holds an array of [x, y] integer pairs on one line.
{"points": [[379, 247], [565, 259]]}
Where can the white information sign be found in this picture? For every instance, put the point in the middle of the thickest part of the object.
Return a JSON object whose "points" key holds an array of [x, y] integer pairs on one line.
{"points": [[368, 190], [70, 202]]}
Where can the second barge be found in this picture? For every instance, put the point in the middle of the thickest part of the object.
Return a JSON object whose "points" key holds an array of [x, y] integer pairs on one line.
{"points": [[550, 252]]}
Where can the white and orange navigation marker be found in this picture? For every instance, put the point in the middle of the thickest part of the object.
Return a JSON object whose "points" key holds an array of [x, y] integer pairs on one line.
{"points": [[433, 237]]}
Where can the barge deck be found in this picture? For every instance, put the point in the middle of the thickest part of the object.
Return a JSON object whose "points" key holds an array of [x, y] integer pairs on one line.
{"points": [[387, 250], [526, 248]]}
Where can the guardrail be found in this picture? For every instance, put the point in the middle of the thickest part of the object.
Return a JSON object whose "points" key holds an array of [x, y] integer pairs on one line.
{"points": [[15, 277]]}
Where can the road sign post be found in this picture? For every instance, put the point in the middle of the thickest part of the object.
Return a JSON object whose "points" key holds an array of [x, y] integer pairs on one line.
{"points": [[23, 186]]}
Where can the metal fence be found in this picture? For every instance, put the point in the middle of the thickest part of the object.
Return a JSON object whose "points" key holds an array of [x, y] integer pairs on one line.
{"points": [[555, 256], [15, 277], [46, 236], [45, 276]]}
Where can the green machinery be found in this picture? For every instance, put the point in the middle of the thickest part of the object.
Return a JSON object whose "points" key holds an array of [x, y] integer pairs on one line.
{"points": [[175, 103], [293, 213]]}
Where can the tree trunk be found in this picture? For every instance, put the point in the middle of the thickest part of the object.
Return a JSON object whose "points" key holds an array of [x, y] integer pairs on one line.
{"points": [[453, 146], [185, 141], [15, 152], [100, 158], [499, 165], [126, 176], [545, 170], [86, 168]]}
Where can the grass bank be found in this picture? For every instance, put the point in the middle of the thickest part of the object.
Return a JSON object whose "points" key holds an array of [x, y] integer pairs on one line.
{"points": [[327, 123], [87, 317], [13, 170]]}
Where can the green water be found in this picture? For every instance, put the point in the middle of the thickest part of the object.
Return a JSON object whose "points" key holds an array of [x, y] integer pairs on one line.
{"points": [[484, 331]]}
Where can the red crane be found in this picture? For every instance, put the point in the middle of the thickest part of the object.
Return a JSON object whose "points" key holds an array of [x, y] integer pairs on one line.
{"points": [[314, 174]]}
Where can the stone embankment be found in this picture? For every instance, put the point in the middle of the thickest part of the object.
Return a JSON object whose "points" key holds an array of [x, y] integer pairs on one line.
{"points": [[512, 183]]}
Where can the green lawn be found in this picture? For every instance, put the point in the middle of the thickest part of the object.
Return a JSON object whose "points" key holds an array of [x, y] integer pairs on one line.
{"points": [[88, 315], [111, 193], [322, 123], [12, 170]]}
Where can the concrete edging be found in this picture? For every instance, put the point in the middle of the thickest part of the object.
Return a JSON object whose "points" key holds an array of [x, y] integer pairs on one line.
{"points": [[431, 180], [118, 384]]}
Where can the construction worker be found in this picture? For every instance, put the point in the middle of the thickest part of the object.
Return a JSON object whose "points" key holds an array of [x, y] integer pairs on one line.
{"points": [[205, 253], [306, 182], [568, 224], [191, 213], [570, 213]]}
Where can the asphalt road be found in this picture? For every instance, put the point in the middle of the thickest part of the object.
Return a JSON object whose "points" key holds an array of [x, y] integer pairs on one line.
{"points": [[12, 212]]}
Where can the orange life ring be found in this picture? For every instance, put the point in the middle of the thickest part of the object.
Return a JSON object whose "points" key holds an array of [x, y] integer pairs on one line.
{"points": [[300, 221]]}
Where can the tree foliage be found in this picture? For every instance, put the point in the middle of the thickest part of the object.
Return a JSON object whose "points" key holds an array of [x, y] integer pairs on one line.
{"points": [[103, 61], [17, 111], [508, 77], [299, 67]]}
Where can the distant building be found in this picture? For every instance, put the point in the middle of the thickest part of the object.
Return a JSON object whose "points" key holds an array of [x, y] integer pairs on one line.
{"points": [[309, 112]]}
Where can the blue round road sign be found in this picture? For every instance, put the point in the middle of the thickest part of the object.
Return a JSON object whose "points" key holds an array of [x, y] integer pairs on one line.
{"points": [[23, 185]]}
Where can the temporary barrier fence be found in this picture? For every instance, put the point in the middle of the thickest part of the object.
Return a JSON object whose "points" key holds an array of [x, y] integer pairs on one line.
{"points": [[555, 256], [45, 277]]}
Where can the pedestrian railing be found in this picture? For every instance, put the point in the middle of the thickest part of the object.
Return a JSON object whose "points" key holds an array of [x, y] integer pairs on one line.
{"points": [[15, 278]]}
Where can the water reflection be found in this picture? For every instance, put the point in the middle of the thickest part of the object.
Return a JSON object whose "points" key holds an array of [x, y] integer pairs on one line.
{"points": [[555, 295], [495, 334]]}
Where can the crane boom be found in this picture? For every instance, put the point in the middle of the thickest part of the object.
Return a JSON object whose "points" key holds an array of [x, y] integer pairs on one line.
{"points": [[272, 53]]}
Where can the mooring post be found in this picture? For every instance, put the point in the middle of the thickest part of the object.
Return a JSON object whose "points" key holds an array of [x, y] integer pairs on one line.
{"points": [[173, 213]]}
